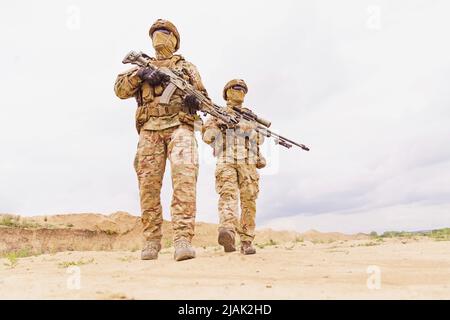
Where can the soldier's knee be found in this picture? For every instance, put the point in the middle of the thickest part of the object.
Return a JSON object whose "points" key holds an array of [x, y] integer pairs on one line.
{"points": [[151, 216], [184, 170], [150, 185], [249, 185], [249, 192], [228, 196], [248, 200], [184, 178], [183, 148], [226, 189]]}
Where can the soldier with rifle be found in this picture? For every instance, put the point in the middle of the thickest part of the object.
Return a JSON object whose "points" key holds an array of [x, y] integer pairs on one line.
{"points": [[237, 149], [165, 120]]}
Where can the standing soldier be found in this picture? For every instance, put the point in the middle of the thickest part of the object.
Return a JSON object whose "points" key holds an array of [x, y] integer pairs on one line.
{"points": [[238, 158], [165, 131]]}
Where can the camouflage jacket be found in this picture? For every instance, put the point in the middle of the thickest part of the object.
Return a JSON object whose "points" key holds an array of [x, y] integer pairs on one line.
{"points": [[149, 114]]}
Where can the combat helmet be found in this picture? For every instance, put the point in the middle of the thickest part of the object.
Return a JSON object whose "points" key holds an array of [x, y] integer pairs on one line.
{"points": [[165, 24], [232, 83]]}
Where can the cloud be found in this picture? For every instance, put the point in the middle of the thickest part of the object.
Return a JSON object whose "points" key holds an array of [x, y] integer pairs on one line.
{"points": [[408, 217], [380, 141], [371, 103]]}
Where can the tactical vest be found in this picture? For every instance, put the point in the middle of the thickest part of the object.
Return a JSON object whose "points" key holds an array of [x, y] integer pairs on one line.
{"points": [[235, 147], [148, 96]]}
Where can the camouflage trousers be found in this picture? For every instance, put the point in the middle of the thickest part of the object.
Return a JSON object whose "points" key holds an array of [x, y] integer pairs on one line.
{"points": [[179, 145], [237, 181]]}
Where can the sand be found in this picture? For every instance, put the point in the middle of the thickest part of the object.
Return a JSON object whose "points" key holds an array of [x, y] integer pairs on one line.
{"points": [[409, 269]]}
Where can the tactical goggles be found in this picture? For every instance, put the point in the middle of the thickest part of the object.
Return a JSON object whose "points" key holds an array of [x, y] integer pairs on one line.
{"points": [[239, 87], [162, 30]]}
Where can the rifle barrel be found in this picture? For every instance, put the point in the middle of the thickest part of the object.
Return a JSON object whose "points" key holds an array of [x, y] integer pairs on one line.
{"points": [[269, 133]]}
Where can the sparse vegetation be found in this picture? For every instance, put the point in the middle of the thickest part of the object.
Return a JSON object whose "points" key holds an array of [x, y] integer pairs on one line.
{"points": [[14, 256], [271, 242], [373, 234], [127, 258], [397, 234], [81, 262], [299, 239], [16, 222], [368, 244], [165, 251], [12, 260], [168, 243], [9, 221], [111, 232], [12, 221], [440, 234]]}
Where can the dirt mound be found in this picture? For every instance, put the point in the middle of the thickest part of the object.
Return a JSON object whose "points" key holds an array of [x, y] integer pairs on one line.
{"points": [[118, 222], [117, 231], [314, 235]]}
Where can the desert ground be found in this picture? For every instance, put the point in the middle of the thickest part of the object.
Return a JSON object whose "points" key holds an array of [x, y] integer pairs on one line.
{"points": [[91, 256]]}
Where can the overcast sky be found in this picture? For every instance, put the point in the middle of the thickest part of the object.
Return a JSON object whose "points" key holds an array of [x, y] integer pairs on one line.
{"points": [[365, 84]]}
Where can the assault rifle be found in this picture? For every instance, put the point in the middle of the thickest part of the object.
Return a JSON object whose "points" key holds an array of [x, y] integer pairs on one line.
{"points": [[176, 81]]}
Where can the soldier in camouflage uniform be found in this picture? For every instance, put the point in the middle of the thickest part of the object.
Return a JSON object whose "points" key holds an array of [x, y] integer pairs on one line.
{"points": [[165, 131], [238, 158]]}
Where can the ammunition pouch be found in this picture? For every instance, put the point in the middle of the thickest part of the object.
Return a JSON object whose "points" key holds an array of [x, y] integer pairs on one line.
{"points": [[143, 113], [260, 162]]}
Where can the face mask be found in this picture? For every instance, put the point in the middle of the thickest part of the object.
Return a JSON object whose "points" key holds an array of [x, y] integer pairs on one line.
{"points": [[164, 44], [236, 96]]}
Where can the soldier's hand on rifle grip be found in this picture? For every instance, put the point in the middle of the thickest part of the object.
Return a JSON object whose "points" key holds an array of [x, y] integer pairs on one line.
{"points": [[157, 77], [144, 73], [192, 103], [153, 77]]}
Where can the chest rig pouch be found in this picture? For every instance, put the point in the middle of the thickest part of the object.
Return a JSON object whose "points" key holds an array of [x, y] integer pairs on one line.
{"points": [[148, 97]]}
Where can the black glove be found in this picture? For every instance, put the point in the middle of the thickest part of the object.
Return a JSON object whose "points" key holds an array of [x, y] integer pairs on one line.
{"points": [[143, 73], [153, 77], [192, 103]]}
